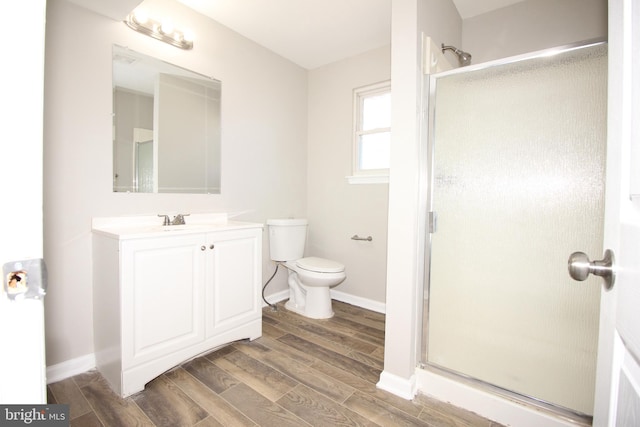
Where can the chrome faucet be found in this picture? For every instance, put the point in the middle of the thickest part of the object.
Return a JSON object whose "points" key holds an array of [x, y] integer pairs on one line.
{"points": [[179, 219], [166, 220]]}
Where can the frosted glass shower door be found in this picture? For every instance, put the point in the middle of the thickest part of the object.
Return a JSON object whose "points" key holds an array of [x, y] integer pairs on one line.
{"points": [[517, 186]]}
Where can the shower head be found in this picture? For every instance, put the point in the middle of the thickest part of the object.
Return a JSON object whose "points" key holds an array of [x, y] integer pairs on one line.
{"points": [[464, 58]]}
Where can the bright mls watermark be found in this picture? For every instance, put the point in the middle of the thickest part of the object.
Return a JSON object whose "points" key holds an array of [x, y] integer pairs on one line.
{"points": [[34, 415]]}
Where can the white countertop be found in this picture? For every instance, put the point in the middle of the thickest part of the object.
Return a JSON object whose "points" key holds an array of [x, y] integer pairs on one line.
{"points": [[135, 227]]}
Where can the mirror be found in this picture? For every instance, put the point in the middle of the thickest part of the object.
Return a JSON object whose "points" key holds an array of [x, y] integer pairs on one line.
{"points": [[166, 127]]}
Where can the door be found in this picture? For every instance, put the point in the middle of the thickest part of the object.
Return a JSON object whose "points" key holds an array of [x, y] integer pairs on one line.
{"points": [[143, 171], [21, 180], [518, 183], [617, 399]]}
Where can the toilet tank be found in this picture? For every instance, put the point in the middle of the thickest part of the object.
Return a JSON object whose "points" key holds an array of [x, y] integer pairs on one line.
{"points": [[287, 238]]}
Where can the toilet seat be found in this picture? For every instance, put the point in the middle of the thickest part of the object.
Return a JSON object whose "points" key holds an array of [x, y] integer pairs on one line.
{"points": [[319, 265]]}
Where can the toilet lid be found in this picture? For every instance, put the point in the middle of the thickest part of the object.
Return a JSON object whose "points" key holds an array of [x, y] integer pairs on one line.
{"points": [[320, 265]]}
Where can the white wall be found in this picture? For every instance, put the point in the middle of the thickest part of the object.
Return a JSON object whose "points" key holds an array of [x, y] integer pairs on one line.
{"points": [[533, 25], [441, 21], [264, 131], [410, 19], [337, 210]]}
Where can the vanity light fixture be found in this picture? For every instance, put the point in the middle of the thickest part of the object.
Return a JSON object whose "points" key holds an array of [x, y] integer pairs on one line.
{"points": [[163, 31]]}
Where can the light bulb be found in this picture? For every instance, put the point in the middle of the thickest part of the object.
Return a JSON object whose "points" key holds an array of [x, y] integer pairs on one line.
{"points": [[188, 36], [167, 27], [140, 16]]}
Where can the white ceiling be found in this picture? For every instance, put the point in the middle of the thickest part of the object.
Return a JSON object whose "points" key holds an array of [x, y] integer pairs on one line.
{"points": [[310, 33], [471, 8]]}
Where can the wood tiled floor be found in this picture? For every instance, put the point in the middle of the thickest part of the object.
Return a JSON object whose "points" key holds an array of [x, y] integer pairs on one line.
{"points": [[301, 372]]}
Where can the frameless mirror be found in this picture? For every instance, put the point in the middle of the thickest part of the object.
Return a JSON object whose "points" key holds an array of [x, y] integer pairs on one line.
{"points": [[166, 127]]}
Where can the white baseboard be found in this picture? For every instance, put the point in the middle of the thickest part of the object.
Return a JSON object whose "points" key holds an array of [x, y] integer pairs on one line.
{"points": [[491, 406], [369, 304], [402, 387], [70, 368]]}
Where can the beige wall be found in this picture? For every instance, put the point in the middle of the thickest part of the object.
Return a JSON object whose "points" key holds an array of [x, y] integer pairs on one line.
{"points": [[440, 21], [337, 210], [533, 25], [264, 131], [410, 19]]}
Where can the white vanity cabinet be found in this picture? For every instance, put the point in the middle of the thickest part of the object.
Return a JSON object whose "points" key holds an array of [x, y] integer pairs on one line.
{"points": [[164, 297]]}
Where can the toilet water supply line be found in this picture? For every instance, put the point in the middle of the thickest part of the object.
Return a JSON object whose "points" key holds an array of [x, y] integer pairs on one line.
{"points": [[273, 306]]}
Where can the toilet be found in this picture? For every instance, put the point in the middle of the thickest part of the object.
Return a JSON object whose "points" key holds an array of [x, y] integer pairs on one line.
{"points": [[311, 278]]}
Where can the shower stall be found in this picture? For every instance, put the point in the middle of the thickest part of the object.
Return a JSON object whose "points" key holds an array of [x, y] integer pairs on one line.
{"points": [[515, 166]]}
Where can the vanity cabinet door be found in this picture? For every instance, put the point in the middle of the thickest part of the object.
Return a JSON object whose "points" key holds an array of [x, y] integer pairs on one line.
{"points": [[234, 272], [162, 296]]}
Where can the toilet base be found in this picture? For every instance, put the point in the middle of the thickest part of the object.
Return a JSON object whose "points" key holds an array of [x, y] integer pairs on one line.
{"points": [[312, 301], [321, 311]]}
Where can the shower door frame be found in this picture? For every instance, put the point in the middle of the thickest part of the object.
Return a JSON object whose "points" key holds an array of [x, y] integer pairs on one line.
{"points": [[427, 181]]}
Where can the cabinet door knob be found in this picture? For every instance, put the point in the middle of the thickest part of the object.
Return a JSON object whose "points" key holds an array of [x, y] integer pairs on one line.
{"points": [[211, 246], [202, 248]]}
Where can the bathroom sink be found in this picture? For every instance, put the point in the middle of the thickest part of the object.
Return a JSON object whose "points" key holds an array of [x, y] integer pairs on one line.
{"points": [[136, 227]]}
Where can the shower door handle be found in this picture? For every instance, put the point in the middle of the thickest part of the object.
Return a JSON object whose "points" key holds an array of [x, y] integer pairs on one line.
{"points": [[580, 267]]}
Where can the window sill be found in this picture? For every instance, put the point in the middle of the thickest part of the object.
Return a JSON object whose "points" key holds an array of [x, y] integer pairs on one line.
{"points": [[368, 179]]}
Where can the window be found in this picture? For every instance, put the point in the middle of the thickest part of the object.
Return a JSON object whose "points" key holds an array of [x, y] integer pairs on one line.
{"points": [[372, 133]]}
